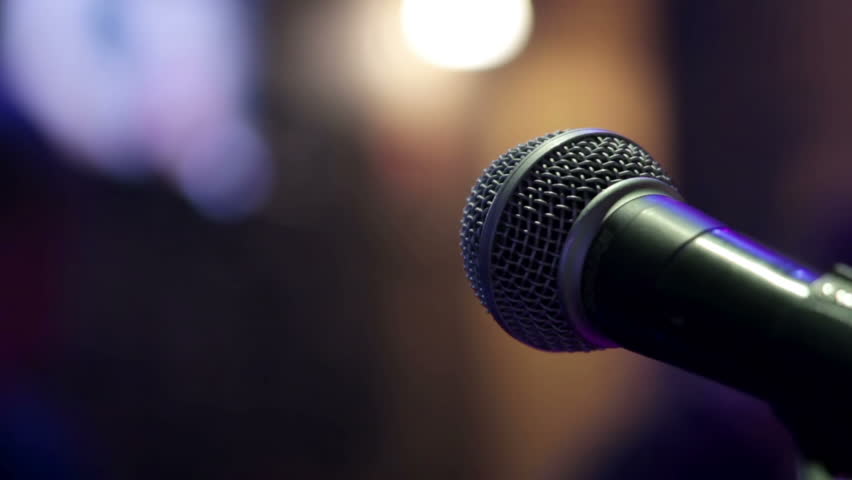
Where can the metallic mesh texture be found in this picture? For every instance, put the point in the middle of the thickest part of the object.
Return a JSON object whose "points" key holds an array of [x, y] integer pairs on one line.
{"points": [[533, 228], [481, 196]]}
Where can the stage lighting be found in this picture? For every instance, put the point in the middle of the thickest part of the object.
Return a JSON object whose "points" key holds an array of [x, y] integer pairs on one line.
{"points": [[466, 34]]}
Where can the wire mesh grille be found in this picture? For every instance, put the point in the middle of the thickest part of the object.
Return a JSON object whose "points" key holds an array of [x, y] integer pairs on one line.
{"points": [[479, 202], [534, 226]]}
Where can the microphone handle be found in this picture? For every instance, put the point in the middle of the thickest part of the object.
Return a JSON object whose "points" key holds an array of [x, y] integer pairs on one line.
{"points": [[665, 280]]}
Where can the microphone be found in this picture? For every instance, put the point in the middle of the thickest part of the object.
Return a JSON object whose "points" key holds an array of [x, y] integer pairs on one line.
{"points": [[578, 241]]}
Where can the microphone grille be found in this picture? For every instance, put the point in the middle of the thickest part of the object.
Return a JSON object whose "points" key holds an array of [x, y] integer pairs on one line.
{"points": [[479, 202], [537, 210]]}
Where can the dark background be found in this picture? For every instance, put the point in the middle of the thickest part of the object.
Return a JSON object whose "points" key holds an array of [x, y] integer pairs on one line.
{"points": [[331, 334]]}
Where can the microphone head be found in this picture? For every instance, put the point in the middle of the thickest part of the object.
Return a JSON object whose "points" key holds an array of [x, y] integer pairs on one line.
{"points": [[517, 221]]}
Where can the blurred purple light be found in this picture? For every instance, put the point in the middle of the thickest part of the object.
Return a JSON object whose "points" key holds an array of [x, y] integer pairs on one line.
{"points": [[222, 188], [132, 87]]}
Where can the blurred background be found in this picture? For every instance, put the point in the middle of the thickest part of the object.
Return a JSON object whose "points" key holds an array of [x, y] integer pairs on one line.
{"points": [[230, 229]]}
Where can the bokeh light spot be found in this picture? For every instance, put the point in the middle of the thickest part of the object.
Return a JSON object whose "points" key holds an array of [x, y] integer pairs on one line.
{"points": [[466, 34]]}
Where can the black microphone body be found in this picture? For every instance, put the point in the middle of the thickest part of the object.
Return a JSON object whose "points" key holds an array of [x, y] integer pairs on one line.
{"points": [[577, 241], [664, 280]]}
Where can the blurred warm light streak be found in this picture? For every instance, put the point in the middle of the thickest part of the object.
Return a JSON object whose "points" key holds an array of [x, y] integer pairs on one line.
{"points": [[134, 87], [466, 34], [354, 61]]}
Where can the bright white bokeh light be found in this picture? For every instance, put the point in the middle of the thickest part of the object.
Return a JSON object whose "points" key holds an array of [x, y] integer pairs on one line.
{"points": [[466, 34]]}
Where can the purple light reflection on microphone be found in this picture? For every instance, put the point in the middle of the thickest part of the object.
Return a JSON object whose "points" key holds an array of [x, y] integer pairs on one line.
{"points": [[760, 261]]}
